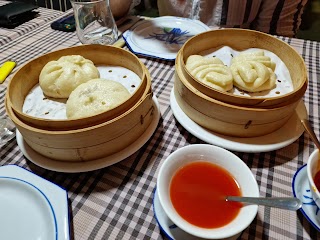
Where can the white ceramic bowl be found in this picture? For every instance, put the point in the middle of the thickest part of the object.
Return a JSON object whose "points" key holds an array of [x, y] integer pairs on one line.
{"points": [[219, 156], [313, 166]]}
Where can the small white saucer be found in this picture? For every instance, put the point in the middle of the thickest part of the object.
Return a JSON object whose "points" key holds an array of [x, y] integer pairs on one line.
{"points": [[171, 230], [31, 207], [280, 138], [301, 190], [73, 167], [162, 37]]}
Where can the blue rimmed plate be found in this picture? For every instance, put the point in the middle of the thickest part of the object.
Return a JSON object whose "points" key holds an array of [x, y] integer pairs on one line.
{"points": [[301, 190], [31, 207], [162, 37]]}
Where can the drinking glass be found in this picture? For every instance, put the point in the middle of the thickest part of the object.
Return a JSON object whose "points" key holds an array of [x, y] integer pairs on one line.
{"points": [[94, 22], [6, 130]]}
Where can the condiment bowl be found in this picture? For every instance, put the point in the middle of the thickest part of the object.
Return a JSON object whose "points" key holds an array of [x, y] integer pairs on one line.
{"points": [[222, 158], [313, 166]]}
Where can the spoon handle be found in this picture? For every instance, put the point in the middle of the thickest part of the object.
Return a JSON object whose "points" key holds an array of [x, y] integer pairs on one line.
{"points": [[310, 131], [284, 203]]}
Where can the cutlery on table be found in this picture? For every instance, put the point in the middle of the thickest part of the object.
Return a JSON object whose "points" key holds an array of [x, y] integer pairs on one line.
{"points": [[288, 203]]}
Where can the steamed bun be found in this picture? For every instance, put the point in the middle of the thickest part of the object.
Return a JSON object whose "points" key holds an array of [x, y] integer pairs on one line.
{"points": [[210, 71], [256, 56], [195, 61], [94, 97], [59, 78], [252, 76]]}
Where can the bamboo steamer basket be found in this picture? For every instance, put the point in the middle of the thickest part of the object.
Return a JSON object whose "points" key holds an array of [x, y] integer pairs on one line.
{"points": [[241, 39], [28, 76], [89, 143], [225, 118], [89, 138]]}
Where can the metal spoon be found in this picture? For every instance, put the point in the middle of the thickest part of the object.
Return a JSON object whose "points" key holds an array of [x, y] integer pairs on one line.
{"points": [[289, 203]]}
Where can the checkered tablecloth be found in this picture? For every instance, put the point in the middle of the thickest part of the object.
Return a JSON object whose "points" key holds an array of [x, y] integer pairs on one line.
{"points": [[116, 202], [43, 16]]}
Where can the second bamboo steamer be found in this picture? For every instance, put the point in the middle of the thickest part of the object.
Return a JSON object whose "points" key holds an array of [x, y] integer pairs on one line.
{"points": [[228, 118]]}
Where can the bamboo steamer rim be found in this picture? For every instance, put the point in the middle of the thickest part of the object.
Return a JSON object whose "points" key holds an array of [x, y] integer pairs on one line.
{"points": [[139, 92], [19, 122], [195, 43], [217, 102], [186, 81]]}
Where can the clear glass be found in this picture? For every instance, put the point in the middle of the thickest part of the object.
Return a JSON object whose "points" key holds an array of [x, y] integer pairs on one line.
{"points": [[94, 22], [7, 131]]}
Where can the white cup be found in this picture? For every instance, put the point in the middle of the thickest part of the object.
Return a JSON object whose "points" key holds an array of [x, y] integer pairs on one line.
{"points": [[95, 23], [313, 166], [223, 158]]}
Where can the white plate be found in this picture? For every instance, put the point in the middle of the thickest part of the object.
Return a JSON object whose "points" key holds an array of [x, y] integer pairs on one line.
{"points": [[31, 207], [280, 138], [301, 190], [162, 37], [72, 167], [171, 230]]}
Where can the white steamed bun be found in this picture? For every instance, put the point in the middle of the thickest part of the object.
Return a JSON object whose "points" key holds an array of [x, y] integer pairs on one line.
{"points": [[59, 78], [94, 97], [252, 76], [256, 56], [210, 71]]}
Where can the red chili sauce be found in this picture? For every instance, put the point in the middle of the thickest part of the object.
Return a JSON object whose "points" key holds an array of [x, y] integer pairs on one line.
{"points": [[198, 191], [317, 180]]}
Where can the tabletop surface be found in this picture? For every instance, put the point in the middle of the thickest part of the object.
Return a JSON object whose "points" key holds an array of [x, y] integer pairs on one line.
{"points": [[43, 16], [116, 202]]}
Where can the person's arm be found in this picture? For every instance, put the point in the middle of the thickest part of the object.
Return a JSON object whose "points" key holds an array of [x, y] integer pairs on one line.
{"points": [[120, 8]]}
